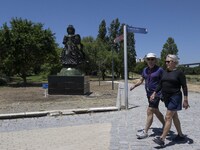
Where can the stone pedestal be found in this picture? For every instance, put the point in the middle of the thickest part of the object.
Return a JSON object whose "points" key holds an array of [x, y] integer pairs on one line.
{"points": [[68, 85]]}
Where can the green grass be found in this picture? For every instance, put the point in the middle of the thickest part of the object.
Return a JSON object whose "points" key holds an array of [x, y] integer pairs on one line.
{"points": [[37, 78], [134, 75], [30, 79], [194, 79]]}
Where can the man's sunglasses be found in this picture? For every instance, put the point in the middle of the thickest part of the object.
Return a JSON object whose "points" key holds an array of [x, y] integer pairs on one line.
{"points": [[152, 59]]}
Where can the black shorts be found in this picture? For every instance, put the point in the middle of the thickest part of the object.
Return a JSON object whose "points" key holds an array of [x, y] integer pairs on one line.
{"points": [[154, 103]]}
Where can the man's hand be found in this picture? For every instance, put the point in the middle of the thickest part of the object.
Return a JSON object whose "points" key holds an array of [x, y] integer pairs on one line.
{"points": [[132, 87], [152, 97]]}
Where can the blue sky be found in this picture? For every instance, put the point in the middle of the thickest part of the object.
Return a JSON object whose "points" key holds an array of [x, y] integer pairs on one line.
{"points": [[178, 19]]}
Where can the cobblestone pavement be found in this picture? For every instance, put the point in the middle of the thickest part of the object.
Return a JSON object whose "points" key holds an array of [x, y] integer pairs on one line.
{"points": [[115, 130]]}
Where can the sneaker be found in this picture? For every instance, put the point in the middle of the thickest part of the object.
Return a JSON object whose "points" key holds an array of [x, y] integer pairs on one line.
{"points": [[159, 141], [142, 135], [179, 138]]}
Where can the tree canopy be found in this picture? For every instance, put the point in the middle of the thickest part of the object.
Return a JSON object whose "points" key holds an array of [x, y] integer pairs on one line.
{"points": [[25, 46], [169, 47]]}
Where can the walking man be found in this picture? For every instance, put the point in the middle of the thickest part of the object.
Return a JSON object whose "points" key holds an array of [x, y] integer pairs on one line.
{"points": [[152, 75]]}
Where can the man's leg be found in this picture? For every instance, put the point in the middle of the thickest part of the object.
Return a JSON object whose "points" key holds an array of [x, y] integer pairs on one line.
{"points": [[160, 116], [144, 133], [149, 118]]}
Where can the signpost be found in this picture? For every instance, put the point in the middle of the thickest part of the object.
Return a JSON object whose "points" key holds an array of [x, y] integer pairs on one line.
{"points": [[137, 30], [134, 30]]}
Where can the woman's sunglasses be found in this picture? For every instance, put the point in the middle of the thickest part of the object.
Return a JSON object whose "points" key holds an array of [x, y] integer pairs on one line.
{"points": [[168, 61]]}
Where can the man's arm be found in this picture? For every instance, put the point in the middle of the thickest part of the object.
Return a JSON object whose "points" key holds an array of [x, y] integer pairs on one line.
{"points": [[139, 82]]}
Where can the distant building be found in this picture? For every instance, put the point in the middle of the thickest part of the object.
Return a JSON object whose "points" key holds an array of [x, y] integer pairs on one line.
{"points": [[142, 60], [139, 59]]}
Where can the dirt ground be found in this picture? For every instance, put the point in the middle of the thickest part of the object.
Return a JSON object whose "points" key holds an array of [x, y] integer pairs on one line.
{"points": [[29, 99]]}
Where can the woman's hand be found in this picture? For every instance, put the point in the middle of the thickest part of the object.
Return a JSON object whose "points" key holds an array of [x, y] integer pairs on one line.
{"points": [[185, 104]]}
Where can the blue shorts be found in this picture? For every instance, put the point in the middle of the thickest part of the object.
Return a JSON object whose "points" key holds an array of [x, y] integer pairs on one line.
{"points": [[174, 103]]}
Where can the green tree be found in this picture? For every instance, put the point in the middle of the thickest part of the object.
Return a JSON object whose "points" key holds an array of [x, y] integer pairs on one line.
{"points": [[97, 55], [89, 48], [139, 67], [113, 32], [25, 46], [53, 64], [102, 31], [104, 50], [119, 49], [169, 47], [103, 55]]}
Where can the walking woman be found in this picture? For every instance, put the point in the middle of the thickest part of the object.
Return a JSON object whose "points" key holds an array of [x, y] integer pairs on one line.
{"points": [[171, 83]]}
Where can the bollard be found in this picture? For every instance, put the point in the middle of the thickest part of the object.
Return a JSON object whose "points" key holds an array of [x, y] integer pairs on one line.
{"points": [[45, 87]]}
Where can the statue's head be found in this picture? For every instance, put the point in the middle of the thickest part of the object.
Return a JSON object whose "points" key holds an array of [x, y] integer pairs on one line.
{"points": [[70, 30]]}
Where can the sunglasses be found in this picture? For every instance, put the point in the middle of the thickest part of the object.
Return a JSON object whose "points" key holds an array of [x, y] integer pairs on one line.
{"points": [[150, 59], [168, 61]]}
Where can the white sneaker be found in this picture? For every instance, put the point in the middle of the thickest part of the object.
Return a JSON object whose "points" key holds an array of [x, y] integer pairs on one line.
{"points": [[142, 135]]}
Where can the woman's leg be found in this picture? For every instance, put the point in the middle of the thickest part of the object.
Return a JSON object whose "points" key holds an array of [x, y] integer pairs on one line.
{"points": [[177, 123], [168, 122]]}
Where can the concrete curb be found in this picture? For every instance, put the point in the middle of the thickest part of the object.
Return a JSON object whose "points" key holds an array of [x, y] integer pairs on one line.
{"points": [[56, 112], [23, 115]]}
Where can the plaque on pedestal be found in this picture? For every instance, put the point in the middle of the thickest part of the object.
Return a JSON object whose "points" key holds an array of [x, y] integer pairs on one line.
{"points": [[68, 85]]}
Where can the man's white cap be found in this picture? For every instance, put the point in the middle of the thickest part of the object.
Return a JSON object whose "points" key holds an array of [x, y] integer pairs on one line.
{"points": [[151, 55]]}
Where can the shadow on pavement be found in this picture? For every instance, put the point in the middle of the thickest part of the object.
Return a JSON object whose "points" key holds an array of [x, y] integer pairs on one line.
{"points": [[171, 140]]}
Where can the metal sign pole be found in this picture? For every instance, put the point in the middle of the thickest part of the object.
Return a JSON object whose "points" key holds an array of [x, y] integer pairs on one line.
{"points": [[125, 68], [134, 30]]}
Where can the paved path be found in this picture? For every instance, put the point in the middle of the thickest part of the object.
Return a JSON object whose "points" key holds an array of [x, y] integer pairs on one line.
{"points": [[113, 130]]}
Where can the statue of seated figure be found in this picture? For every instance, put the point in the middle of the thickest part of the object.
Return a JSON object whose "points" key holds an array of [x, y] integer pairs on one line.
{"points": [[72, 54]]}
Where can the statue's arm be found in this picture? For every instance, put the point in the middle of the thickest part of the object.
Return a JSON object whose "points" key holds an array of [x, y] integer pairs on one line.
{"points": [[77, 39], [65, 39]]}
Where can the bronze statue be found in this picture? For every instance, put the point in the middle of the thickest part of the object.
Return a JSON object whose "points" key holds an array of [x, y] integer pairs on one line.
{"points": [[72, 54], [71, 79]]}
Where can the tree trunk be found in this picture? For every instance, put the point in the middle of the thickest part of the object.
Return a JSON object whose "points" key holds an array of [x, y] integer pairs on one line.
{"points": [[24, 80]]}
